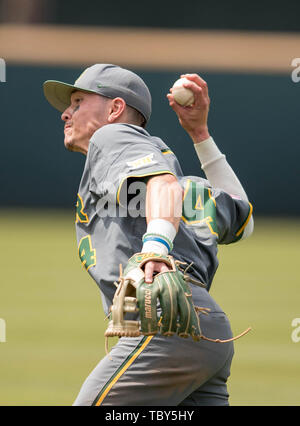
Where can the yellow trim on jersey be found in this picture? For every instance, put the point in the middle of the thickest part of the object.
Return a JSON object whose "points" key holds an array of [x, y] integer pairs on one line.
{"points": [[246, 221], [139, 176], [211, 197], [199, 204], [186, 189], [167, 152], [208, 220], [122, 371]]}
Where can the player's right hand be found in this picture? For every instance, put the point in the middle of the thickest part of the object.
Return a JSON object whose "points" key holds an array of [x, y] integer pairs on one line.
{"points": [[193, 118]]}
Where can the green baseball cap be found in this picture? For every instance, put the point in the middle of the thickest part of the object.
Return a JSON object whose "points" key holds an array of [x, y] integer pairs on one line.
{"points": [[107, 80]]}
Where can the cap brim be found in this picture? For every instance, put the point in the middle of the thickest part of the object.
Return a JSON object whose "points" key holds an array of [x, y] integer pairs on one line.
{"points": [[58, 94]]}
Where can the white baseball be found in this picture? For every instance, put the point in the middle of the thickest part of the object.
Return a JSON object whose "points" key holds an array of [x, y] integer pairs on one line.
{"points": [[182, 96]]}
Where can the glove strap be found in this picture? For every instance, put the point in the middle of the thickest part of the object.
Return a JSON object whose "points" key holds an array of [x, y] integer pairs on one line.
{"points": [[141, 258]]}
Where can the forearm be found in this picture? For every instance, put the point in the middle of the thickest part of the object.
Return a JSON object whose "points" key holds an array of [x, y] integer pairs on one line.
{"points": [[163, 213], [164, 199], [220, 174], [217, 169]]}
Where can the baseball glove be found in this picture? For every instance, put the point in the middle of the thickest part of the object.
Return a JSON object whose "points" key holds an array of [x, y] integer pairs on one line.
{"points": [[170, 289]]}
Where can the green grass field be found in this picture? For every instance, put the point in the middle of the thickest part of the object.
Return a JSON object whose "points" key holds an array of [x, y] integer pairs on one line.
{"points": [[55, 323]]}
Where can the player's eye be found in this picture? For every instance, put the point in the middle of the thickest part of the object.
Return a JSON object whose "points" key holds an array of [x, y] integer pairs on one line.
{"points": [[75, 103]]}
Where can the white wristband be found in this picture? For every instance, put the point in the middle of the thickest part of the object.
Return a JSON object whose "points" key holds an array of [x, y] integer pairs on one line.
{"points": [[159, 236], [154, 247], [163, 227]]}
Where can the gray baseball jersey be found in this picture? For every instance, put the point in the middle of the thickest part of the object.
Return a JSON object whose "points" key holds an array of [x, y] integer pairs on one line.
{"points": [[110, 210], [110, 223]]}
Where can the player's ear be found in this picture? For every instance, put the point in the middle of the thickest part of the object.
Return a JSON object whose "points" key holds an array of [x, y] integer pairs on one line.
{"points": [[117, 108]]}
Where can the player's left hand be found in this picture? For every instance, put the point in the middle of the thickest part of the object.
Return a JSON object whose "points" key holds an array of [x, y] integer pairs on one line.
{"points": [[193, 118]]}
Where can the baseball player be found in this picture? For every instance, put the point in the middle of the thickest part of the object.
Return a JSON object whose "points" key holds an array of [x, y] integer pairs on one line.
{"points": [[134, 199]]}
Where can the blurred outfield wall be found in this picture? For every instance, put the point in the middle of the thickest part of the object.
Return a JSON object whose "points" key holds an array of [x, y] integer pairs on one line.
{"points": [[254, 119]]}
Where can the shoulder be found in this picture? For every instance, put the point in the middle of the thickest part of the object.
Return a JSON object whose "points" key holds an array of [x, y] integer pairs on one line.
{"points": [[114, 140], [119, 133]]}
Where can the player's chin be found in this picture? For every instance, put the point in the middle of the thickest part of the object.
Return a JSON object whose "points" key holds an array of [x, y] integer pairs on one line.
{"points": [[69, 144]]}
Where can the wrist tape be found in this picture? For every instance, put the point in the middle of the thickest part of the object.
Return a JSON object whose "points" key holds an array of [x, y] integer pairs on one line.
{"points": [[159, 237]]}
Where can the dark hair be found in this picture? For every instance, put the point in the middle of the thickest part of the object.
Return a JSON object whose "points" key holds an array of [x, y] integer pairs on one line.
{"points": [[137, 118]]}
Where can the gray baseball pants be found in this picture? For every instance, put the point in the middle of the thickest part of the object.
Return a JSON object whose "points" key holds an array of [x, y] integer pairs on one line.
{"points": [[164, 371]]}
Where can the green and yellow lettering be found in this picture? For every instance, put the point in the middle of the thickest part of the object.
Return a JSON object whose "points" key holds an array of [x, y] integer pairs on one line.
{"points": [[81, 216], [86, 252], [199, 206]]}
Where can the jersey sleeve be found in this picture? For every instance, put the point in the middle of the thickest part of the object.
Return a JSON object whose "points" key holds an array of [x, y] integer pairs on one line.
{"points": [[214, 212], [233, 215], [128, 157], [132, 172]]}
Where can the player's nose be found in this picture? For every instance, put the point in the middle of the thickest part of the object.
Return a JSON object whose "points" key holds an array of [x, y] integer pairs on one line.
{"points": [[66, 115]]}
